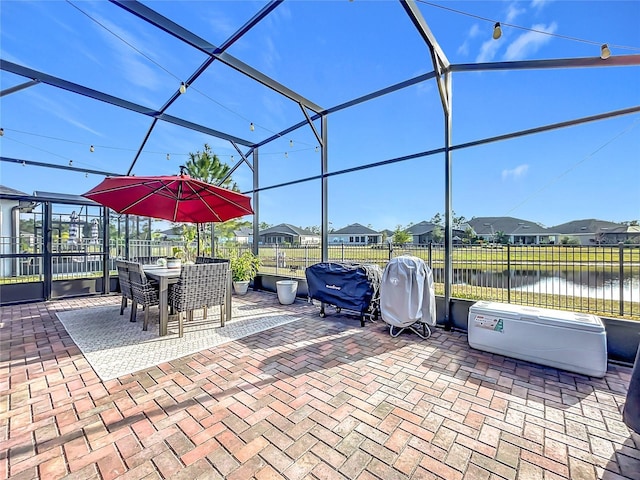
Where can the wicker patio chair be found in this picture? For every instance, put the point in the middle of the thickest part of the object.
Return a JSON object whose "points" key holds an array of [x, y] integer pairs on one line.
{"points": [[200, 261], [144, 293], [200, 285], [125, 284]]}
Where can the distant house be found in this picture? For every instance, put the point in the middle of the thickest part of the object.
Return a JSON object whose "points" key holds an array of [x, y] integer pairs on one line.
{"points": [[387, 235], [243, 235], [355, 234], [598, 232], [517, 230], [423, 233], [173, 233], [288, 234]]}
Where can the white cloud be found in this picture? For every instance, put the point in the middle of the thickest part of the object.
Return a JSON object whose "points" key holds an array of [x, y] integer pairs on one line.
{"points": [[515, 173], [529, 42], [473, 32], [488, 51], [539, 4], [513, 12]]}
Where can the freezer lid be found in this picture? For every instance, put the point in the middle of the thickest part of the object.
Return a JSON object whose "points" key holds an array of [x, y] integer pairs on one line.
{"points": [[543, 316]]}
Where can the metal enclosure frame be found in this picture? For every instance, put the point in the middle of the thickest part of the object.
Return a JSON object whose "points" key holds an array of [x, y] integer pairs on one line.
{"points": [[442, 72]]}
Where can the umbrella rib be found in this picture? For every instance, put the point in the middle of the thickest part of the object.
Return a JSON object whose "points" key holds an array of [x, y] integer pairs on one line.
{"points": [[235, 204], [197, 194], [154, 191]]}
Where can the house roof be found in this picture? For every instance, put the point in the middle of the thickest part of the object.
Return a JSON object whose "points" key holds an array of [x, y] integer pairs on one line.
{"points": [[171, 231], [588, 226], [287, 229], [421, 228], [355, 229], [10, 191], [508, 225], [243, 232]]}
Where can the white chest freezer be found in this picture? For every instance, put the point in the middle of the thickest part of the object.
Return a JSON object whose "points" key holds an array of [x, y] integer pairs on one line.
{"points": [[571, 341]]}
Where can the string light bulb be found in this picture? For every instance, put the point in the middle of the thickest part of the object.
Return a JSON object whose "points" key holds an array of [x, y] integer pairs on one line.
{"points": [[286, 155], [605, 52], [252, 127], [1, 132], [168, 156], [317, 148], [291, 143], [71, 163], [183, 87], [497, 31], [92, 149], [24, 164], [231, 158], [86, 175]]}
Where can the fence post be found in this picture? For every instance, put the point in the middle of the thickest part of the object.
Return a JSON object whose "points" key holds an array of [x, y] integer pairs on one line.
{"points": [[621, 275], [342, 252], [429, 256], [508, 273], [277, 259], [390, 251]]}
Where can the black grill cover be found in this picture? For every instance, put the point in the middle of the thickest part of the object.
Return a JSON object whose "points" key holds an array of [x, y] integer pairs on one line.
{"points": [[341, 284]]}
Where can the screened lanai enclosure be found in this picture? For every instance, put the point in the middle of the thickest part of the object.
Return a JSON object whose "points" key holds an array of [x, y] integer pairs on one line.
{"points": [[380, 108]]}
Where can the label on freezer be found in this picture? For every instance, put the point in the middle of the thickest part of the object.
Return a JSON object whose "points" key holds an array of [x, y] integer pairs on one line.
{"points": [[489, 323]]}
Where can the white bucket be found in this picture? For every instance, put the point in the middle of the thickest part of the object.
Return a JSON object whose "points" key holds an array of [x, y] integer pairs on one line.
{"points": [[287, 290]]}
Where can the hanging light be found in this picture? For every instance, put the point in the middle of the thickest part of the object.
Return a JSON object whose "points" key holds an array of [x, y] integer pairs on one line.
{"points": [[251, 127], [86, 175], [92, 149], [286, 155], [168, 156], [1, 132], [291, 143], [231, 158], [24, 164], [71, 163], [605, 52], [317, 148], [497, 31], [183, 87]]}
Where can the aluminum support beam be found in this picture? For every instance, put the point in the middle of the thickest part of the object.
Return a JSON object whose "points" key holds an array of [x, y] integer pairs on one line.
{"points": [[439, 59], [154, 18], [324, 193], [60, 167], [613, 61], [310, 122], [437, 151], [448, 206], [118, 102], [17, 88], [230, 41], [256, 202], [351, 103]]}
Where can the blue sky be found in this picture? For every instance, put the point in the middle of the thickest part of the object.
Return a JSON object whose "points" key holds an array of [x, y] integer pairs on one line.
{"points": [[331, 52]]}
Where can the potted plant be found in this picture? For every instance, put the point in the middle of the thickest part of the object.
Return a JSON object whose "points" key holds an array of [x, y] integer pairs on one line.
{"points": [[287, 289], [244, 268]]}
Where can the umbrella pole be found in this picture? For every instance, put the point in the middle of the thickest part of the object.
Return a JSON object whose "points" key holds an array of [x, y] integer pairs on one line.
{"points": [[198, 239]]}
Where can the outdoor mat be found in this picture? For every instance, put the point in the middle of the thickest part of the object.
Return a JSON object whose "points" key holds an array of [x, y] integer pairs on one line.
{"points": [[114, 346]]}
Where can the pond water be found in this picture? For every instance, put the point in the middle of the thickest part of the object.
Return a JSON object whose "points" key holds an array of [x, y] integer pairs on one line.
{"points": [[600, 285]]}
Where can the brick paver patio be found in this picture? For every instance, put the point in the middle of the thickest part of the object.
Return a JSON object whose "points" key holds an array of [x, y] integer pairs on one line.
{"points": [[316, 398]]}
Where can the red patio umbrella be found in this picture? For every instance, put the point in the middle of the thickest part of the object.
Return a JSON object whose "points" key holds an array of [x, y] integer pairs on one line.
{"points": [[178, 198]]}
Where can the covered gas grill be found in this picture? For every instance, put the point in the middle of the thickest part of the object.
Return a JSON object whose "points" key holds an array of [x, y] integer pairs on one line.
{"points": [[350, 286]]}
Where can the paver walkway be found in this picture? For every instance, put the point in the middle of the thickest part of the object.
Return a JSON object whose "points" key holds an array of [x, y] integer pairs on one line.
{"points": [[316, 398]]}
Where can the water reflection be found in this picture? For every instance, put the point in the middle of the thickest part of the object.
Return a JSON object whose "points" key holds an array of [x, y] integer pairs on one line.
{"points": [[602, 285]]}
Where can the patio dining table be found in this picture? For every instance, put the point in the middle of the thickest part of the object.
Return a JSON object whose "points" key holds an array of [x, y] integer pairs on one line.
{"points": [[169, 276]]}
